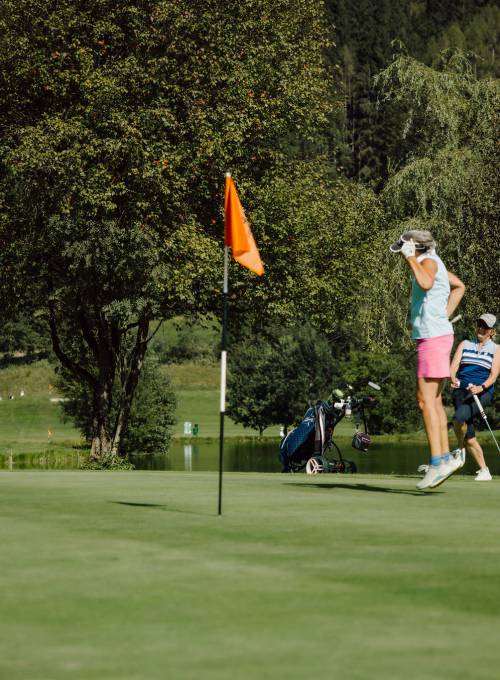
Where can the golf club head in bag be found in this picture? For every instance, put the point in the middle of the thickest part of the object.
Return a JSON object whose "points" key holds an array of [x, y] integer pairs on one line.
{"points": [[361, 441]]}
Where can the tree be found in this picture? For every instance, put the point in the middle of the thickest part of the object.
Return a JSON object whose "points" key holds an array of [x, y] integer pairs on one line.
{"points": [[476, 34], [118, 122], [450, 181], [365, 33], [274, 379], [396, 409], [26, 335], [151, 417], [188, 339], [327, 237]]}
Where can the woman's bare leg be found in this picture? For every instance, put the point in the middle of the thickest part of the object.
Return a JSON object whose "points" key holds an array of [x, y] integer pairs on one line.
{"points": [[475, 449], [433, 414], [460, 431], [445, 442]]}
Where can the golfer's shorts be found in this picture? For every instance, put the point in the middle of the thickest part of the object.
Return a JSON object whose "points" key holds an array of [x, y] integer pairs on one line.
{"points": [[466, 408], [433, 357]]}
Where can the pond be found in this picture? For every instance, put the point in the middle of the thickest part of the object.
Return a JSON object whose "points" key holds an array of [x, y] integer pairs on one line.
{"points": [[400, 458]]}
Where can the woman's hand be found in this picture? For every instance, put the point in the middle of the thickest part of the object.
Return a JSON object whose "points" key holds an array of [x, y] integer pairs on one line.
{"points": [[455, 383], [408, 249], [475, 389]]}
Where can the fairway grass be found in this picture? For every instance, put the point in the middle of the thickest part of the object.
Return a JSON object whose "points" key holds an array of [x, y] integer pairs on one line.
{"points": [[133, 576]]}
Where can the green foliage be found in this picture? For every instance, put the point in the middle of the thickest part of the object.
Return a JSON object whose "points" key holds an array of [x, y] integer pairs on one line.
{"points": [[106, 463], [478, 35], [450, 182], [187, 339], [326, 239], [118, 123], [366, 35], [494, 411], [24, 335], [151, 418], [396, 409], [274, 379]]}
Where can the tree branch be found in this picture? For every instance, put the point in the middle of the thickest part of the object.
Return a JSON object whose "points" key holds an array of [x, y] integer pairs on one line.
{"points": [[65, 360], [88, 336], [154, 332]]}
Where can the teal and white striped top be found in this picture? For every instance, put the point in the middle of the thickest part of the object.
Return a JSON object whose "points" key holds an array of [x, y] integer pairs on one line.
{"points": [[475, 364]]}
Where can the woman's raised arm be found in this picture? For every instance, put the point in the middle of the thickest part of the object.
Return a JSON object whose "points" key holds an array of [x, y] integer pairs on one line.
{"points": [[456, 293]]}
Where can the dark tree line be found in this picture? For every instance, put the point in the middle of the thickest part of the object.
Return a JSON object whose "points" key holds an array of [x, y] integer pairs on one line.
{"points": [[367, 34]]}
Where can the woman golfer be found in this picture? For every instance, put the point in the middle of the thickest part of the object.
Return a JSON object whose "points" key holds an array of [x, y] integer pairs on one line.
{"points": [[474, 370], [435, 295]]}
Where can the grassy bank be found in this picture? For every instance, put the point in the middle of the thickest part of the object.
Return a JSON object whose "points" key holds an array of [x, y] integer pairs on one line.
{"points": [[132, 576], [34, 423]]}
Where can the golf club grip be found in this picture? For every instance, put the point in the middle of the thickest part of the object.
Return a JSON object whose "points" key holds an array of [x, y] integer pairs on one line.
{"points": [[479, 405]]}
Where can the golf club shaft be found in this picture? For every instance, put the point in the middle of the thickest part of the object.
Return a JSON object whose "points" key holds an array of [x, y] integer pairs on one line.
{"points": [[484, 417]]}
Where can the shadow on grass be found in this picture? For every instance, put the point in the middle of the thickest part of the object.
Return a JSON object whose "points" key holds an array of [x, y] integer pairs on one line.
{"points": [[139, 505], [163, 507], [365, 487]]}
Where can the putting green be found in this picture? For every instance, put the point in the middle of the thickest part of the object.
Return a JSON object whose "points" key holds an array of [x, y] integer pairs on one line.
{"points": [[133, 576]]}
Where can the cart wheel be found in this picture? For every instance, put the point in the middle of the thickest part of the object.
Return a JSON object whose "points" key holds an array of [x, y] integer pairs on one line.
{"points": [[315, 465], [351, 466]]}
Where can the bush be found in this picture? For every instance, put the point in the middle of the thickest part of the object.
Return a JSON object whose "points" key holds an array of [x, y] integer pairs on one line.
{"points": [[274, 379], [396, 409]]}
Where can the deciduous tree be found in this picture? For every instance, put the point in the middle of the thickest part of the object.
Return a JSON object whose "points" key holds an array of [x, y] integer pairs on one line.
{"points": [[118, 121]]}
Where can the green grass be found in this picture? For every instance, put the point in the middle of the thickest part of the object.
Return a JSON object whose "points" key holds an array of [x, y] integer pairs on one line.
{"points": [[29, 425], [25, 422], [203, 407], [132, 576], [34, 424], [191, 376], [37, 380]]}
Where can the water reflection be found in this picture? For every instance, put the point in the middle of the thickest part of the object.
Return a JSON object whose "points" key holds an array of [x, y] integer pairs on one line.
{"points": [[188, 457], [400, 458], [48, 460]]}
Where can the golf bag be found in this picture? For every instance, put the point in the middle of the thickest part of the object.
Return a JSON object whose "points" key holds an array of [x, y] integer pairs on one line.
{"points": [[306, 446]]}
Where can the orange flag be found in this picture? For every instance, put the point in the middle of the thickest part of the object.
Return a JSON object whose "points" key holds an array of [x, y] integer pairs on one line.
{"points": [[237, 231]]}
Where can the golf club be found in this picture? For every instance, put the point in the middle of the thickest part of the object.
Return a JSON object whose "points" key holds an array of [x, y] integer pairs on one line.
{"points": [[485, 418]]}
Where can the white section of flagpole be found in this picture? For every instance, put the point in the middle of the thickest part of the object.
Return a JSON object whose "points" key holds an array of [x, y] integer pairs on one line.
{"points": [[223, 363]]}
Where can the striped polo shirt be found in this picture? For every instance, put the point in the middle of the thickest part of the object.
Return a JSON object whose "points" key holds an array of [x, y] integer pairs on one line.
{"points": [[475, 365]]}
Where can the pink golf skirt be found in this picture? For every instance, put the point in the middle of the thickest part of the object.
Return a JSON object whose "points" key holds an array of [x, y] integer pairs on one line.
{"points": [[433, 356]]}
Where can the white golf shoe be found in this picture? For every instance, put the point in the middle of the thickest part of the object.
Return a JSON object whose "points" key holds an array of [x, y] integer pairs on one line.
{"points": [[437, 474], [483, 475], [457, 459]]}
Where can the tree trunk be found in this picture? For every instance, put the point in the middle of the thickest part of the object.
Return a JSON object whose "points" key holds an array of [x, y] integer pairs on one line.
{"points": [[101, 446], [136, 364]]}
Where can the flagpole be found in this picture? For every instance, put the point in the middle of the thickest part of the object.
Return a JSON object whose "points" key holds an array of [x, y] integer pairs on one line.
{"points": [[223, 360], [238, 235]]}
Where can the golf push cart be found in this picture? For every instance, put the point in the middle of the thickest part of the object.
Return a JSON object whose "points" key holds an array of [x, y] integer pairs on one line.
{"points": [[307, 445]]}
